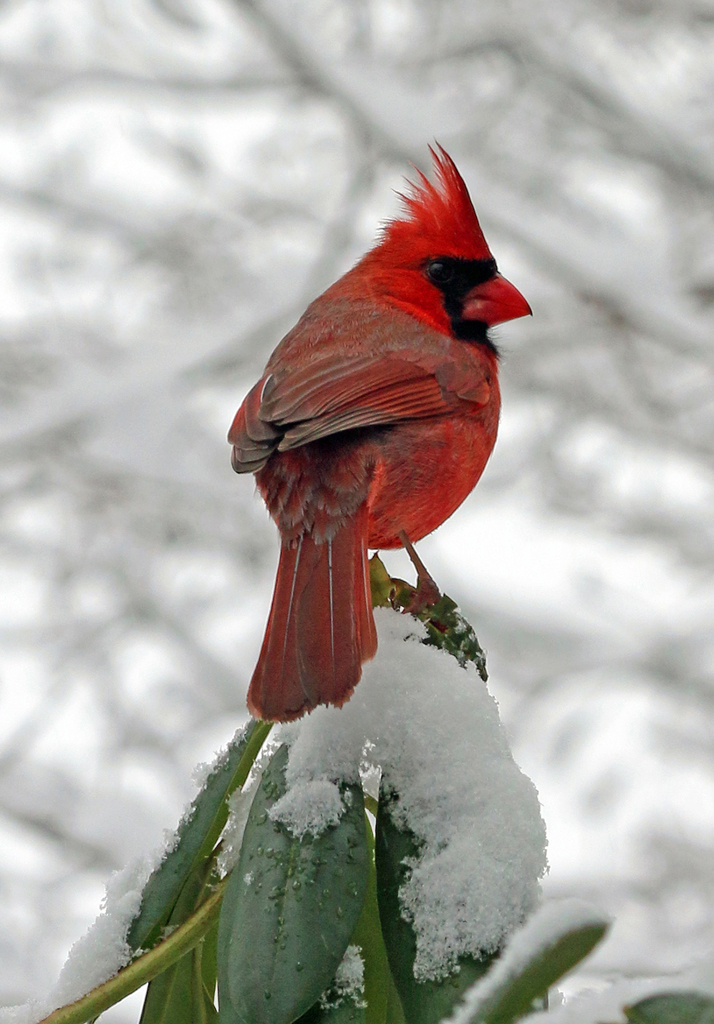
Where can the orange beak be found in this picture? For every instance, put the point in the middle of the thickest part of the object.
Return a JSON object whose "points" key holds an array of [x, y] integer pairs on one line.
{"points": [[494, 302]]}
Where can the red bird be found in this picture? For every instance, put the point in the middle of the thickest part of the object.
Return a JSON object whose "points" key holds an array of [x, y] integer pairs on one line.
{"points": [[373, 421]]}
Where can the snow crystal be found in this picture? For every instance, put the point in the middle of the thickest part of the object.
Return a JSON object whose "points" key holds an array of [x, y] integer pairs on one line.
{"points": [[548, 923], [433, 730], [348, 983]]}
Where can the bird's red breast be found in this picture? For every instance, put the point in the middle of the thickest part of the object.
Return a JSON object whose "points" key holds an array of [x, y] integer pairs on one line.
{"points": [[376, 414]]}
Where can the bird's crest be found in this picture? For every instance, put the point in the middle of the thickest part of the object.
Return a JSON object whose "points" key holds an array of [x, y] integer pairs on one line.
{"points": [[440, 219]]}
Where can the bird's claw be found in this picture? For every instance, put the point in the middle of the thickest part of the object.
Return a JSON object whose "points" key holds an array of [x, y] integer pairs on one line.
{"points": [[426, 594]]}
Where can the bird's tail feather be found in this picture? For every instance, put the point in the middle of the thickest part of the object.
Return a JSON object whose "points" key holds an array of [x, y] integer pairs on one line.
{"points": [[320, 627]]}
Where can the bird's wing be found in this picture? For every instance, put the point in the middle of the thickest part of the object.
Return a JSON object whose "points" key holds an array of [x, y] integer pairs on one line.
{"points": [[338, 392]]}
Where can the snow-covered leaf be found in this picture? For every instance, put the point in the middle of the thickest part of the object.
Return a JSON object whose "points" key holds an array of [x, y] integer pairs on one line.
{"points": [[289, 909], [196, 836], [672, 1008], [538, 956], [432, 730], [423, 1002]]}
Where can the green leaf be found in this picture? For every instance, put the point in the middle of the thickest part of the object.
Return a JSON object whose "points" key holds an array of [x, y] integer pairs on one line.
{"points": [[197, 835], [381, 583], [168, 997], [368, 936], [514, 997], [338, 1007], [448, 630], [210, 1013], [673, 1008], [422, 1002], [226, 1010], [289, 909], [209, 964], [395, 1013], [178, 994], [203, 1009], [377, 979]]}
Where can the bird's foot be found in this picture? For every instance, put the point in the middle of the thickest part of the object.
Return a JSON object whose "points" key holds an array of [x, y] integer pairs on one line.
{"points": [[426, 594]]}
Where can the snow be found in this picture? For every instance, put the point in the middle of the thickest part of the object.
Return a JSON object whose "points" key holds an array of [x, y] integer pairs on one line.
{"points": [[544, 928], [552, 920], [232, 837], [205, 769], [433, 730], [594, 1007]]}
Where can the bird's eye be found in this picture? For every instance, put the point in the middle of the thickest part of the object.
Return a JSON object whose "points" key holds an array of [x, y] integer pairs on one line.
{"points": [[439, 272]]}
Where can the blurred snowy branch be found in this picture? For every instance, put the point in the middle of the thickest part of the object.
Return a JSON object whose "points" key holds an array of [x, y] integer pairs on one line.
{"points": [[177, 180]]}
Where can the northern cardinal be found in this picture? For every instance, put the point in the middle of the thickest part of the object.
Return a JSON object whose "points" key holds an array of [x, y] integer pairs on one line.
{"points": [[373, 421]]}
